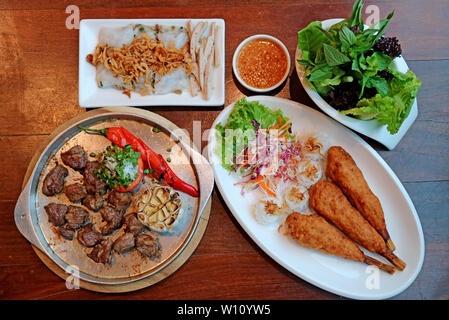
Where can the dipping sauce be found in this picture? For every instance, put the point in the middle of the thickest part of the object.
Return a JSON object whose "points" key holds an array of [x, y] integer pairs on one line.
{"points": [[262, 63]]}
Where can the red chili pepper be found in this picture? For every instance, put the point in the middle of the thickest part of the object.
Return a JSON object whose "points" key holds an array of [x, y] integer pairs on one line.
{"points": [[122, 137]]}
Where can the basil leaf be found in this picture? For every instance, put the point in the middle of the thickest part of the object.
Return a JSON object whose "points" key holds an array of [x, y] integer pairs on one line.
{"points": [[310, 40], [382, 25], [379, 83], [320, 74], [356, 16], [347, 38], [333, 56]]}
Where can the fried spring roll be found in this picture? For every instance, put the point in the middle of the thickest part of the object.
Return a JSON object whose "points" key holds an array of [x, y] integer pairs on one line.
{"points": [[343, 170], [329, 202], [314, 232]]}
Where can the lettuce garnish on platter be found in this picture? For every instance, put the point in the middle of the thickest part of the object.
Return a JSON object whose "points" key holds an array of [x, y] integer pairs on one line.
{"points": [[246, 121], [352, 68]]}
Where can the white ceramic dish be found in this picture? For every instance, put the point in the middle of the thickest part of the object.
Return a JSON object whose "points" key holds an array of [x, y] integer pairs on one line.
{"points": [[90, 95], [235, 62], [369, 128], [334, 274]]}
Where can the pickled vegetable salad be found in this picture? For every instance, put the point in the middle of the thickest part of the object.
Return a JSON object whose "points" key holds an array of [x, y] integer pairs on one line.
{"points": [[258, 146]]}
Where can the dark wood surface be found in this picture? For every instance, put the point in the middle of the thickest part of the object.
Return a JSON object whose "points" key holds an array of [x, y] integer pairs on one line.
{"points": [[39, 91]]}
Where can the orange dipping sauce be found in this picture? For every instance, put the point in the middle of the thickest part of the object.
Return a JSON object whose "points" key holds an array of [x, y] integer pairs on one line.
{"points": [[262, 63]]}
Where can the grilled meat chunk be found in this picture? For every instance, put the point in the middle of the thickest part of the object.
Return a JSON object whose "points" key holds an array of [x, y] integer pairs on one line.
{"points": [[66, 233], [113, 218], [101, 253], [75, 192], [76, 216], [54, 180], [148, 246], [56, 213], [88, 236], [119, 200], [133, 224], [93, 202], [93, 183], [124, 243], [75, 158]]}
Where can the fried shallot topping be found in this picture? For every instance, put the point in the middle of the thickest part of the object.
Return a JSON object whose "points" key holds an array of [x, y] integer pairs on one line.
{"points": [[141, 61]]}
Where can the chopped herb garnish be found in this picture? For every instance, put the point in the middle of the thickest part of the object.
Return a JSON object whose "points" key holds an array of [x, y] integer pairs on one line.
{"points": [[168, 159], [119, 166], [93, 155], [168, 149], [157, 130]]}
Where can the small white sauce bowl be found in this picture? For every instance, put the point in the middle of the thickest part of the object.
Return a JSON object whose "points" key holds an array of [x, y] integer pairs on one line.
{"points": [[236, 56]]}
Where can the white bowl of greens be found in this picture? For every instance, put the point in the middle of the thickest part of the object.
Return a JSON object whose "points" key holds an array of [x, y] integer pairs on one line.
{"points": [[338, 53]]}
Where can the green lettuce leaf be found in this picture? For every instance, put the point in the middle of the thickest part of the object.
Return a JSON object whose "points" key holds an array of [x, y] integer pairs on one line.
{"points": [[394, 108], [233, 137], [310, 40]]}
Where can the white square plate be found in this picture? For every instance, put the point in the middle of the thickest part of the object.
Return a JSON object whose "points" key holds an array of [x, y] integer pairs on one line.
{"points": [[90, 95]]}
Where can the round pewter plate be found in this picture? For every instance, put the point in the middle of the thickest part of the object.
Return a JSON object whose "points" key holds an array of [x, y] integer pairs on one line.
{"points": [[188, 164]]}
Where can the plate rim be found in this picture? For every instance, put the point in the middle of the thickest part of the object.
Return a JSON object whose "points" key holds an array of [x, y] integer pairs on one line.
{"points": [[167, 99], [300, 274]]}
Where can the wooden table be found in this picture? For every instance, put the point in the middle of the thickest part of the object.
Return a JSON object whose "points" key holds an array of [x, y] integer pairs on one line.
{"points": [[39, 91]]}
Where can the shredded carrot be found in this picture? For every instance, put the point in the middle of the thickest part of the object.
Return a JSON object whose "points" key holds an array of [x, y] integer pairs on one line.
{"points": [[271, 193]]}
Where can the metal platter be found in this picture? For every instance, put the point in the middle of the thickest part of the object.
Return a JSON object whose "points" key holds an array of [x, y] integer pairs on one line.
{"points": [[31, 218]]}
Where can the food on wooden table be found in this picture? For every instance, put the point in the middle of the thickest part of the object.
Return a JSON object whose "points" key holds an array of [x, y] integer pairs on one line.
{"points": [[113, 219], [148, 245], [314, 232], [93, 202], [132, 223], [159, 208], [109, 186], [342, 169], [75, 192], [329, 201], [157, 59], [93, 183], [262, 63], [122, 138], [258, 146], [54, 180], [75, 158], [101, 253], [124, 243], [56, 213], [352, 67], [88, 236]]}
